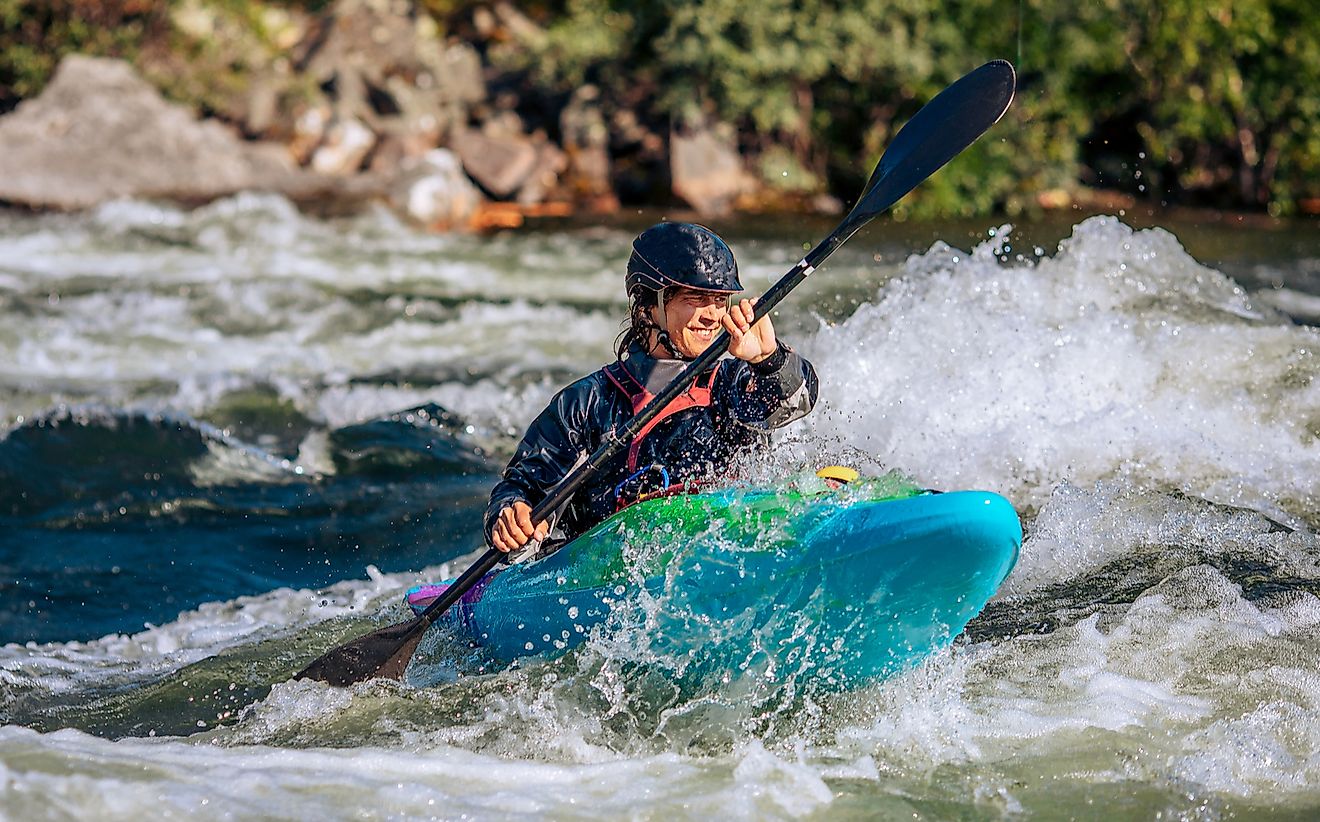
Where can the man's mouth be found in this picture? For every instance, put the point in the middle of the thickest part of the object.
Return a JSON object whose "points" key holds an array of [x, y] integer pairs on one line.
{"points": [[703, 334]]}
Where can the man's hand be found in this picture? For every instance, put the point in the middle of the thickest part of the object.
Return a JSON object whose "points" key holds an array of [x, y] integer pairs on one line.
{"points": [[513, 528], [752, 343]]}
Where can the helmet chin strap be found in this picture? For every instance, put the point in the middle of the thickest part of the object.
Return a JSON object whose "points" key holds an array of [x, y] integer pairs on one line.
{"points": [[662, 335]]}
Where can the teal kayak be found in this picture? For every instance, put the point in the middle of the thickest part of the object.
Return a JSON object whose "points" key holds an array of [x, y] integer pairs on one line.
{"points": [[848, 584]]}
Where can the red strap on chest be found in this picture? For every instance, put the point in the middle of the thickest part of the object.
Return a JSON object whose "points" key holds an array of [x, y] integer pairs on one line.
{"points": [[696, 396]]}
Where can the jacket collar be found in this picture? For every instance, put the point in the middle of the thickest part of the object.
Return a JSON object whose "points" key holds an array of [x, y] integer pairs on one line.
{"points": [[652, 372]]}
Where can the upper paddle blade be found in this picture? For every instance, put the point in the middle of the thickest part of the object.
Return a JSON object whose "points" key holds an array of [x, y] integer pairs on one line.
{"points": [[384, 653], [936, 134]]}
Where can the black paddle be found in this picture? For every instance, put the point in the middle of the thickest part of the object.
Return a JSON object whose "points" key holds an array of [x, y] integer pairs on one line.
{"points": [[939, 131]]}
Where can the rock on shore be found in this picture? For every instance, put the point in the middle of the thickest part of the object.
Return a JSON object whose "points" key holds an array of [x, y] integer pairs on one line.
{"points": [[99, 131]]}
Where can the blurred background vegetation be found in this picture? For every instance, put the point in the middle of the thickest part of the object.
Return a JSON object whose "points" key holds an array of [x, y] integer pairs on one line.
{"points": [[1209, 103]]}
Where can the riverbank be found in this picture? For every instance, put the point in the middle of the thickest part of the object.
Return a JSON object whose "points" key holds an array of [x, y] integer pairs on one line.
{"points": [[479, 115], [365, 102]]}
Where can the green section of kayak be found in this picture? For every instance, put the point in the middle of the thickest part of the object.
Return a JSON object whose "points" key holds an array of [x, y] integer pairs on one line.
{"points": [[754, 519]]}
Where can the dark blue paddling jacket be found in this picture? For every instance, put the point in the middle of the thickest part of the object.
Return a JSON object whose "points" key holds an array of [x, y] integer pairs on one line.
{"points": [[731, 407]]}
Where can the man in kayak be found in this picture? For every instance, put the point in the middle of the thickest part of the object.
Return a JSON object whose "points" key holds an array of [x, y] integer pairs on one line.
{"points": [[680, 281]]}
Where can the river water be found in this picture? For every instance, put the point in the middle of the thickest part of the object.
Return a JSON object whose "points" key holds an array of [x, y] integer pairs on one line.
{"points": [[232, 436]]}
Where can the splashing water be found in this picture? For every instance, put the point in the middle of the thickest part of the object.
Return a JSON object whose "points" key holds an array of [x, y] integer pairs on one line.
{"points": [[1118, 357]]}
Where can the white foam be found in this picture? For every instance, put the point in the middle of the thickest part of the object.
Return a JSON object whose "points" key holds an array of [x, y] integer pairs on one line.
{"points": [[1119, 356], [153, 306], [71, 775], [1296, 304]]}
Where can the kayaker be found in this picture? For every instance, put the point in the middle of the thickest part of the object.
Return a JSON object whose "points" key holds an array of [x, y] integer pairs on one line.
{"points": [[680, 281]]}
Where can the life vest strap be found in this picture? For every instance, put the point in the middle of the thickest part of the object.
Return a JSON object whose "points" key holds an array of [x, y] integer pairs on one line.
{"points": [[634, 489], [698, 395]]}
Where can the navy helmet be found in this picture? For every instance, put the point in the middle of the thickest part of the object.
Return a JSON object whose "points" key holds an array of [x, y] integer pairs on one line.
{"points": [[682, 254]]}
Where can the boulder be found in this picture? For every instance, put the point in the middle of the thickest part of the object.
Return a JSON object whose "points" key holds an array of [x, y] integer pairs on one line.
{"points": [[707, 171], [543, 181], [586, 147], [456, 73], [519, 26], [503, 122], [500, 164], [99, 131], [377, 37], [263, 105], [421, 119], [346, 145], [387, 66], [309, 129], [639, 160], [433, 190]]}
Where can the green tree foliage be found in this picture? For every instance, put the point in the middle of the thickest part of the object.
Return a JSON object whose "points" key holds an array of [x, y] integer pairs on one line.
{"points": [[1226, 98], [1180, 100], [36, 34]]}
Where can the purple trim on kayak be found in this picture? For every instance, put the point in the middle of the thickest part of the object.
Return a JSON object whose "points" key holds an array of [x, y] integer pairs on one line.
{"points": [[420, 597]]}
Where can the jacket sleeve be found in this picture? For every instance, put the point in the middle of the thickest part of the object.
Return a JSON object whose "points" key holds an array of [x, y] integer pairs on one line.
{"points": [[774, 392], [548, 451]]}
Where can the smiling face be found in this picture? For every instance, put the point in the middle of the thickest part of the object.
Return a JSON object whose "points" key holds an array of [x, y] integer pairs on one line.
{"points": [[692, 319]]}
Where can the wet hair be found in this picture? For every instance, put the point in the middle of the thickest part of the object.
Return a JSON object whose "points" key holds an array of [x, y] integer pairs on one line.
{"points": [[639, 321]]}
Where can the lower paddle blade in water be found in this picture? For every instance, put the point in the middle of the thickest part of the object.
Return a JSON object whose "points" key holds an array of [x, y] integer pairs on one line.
{"points": [[380, 654]]}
